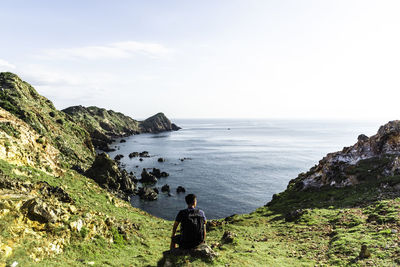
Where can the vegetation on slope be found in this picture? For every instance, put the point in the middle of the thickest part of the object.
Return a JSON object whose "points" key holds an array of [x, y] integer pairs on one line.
{"points": [[23, 101]]}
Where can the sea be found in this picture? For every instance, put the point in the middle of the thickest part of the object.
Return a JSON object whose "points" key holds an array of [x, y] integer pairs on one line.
{"points": [[234, 166]]}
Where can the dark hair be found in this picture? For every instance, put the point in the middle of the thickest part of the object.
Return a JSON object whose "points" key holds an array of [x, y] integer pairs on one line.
{"points": [[190, 199]]}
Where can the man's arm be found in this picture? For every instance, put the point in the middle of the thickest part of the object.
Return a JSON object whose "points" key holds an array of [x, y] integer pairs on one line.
{"points": [[205, 230], [173, 234]]}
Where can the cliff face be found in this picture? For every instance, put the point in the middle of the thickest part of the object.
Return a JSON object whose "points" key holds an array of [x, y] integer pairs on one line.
{"points": [[370, 158], [21, 99], [22, 145], [103, 125]]}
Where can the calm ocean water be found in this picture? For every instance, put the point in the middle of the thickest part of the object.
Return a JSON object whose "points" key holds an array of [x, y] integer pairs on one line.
{"points": [[236, 165]]}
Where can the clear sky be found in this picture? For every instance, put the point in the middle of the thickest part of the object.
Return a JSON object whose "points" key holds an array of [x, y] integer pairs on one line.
{"points": [[209, 58]]}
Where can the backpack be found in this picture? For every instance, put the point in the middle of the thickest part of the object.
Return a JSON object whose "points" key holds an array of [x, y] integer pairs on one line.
{"points": [[192, 227]]}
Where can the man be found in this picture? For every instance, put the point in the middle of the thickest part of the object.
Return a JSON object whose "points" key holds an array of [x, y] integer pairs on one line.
{"points": [[192, 220]]}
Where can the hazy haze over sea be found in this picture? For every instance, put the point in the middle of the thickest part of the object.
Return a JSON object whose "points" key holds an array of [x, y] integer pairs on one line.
{"points": [[236, 164]]}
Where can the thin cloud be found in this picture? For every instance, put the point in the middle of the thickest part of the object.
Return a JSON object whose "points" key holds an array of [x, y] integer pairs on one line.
{"points": [[5, 65], [119, 50]]}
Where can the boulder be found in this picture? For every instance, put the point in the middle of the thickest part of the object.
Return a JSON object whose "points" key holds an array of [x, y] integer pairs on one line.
{"points": [[165, 188], [134, 155], [364, 253], [118, 157], [122, 141], [161, 160], [148, 177], [180, 189], [228, 237], [147, 193], [156, 172], [201, 251], [144, 154], [37, 210], [164, 174], [294, 215]]}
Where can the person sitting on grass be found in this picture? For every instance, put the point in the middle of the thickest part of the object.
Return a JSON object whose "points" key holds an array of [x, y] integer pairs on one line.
{"points": [[193, 230]]}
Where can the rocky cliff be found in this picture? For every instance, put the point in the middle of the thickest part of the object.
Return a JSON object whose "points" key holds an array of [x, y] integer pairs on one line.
{"points": [[372, 157], [22, 100], [104, 125], [157, 123], [22, 145]]}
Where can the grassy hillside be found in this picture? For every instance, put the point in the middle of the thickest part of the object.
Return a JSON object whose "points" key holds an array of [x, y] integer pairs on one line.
{"points": [[331, 233], [23, 101]]}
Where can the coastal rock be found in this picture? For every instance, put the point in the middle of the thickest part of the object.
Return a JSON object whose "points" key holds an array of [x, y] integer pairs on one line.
{"points": [[37, 210], [161, 160], [180, 189], [165, 188], [118, 157], [106, 173], [122, 141], [147, 193], [134, 154], [148, 177], [158, 173], [157, 123], [144, 154], [369, 158]]}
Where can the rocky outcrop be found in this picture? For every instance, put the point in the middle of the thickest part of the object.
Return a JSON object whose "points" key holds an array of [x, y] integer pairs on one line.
{"points": [[104, 125], [22, 145], [157, 123], [148, 193], [370, 158], [36, 211], [180, 189], [107, 174], [59, 129], [148, 177]]}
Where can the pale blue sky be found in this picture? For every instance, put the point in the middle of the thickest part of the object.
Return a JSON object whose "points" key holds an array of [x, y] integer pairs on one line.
{"points": [[204, 59]]}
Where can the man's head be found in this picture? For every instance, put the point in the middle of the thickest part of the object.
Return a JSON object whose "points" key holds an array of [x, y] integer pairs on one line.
{"points": [[191, 200]]}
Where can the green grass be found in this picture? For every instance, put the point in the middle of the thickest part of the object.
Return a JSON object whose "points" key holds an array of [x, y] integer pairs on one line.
{"points": [[330, 232]]}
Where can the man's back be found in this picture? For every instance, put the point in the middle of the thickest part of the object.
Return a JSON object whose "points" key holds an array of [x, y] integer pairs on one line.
{"points": [[192, 223], [192, 226]]}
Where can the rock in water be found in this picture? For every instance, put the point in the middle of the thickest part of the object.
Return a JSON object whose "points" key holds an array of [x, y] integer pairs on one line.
{"points": [[180, 189], [165, 188], [156, 172], [147, 193], [118, 157], [161, 160], [134, 155], [148, 177], [157, 123]]}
